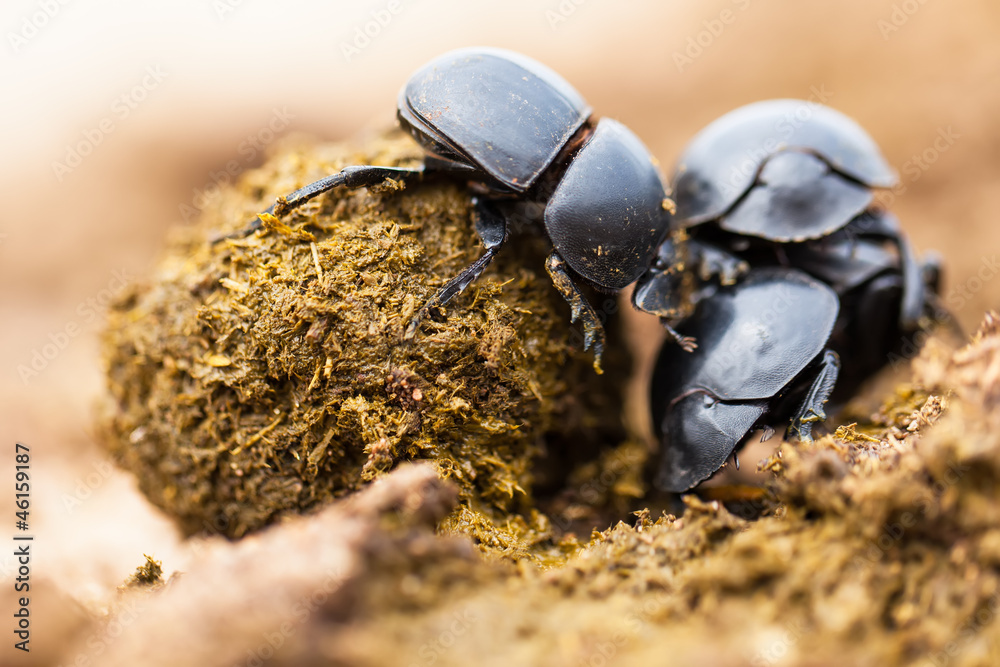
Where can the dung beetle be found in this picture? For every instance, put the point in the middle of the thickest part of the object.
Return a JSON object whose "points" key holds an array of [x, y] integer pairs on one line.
{"points": [[763, 359], [867, 274], [517, 132], [778, 198], [780, 173]]}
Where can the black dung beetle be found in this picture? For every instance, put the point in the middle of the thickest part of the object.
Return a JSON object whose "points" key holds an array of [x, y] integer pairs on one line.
{"points": [[867, 273], [774, 191], [762, 359], [780, 174], [518, 132]]}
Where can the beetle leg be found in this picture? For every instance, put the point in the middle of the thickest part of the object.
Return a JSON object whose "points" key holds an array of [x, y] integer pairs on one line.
{"points": [[915, 287], [687, 343], [659, 291], [593, 329], [931, 270], [655, 294], [811, 410], [491, 225], [914, 296], [349, 177]]}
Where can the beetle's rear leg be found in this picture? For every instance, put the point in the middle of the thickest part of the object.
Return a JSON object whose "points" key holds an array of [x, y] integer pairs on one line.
{"points": [[491, 225], [811, 410], [349, 177], [915, 287], [593, 328], [931, 269]]}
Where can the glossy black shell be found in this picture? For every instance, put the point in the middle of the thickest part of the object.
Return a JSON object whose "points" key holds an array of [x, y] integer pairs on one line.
{"points": [[506, 114], [703, 435], [754, 340], [784, 170], [606, 216], [510, 118]]}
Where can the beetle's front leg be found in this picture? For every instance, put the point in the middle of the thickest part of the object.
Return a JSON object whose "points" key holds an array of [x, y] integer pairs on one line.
{"points": [[593, 328], [811, 410], [350, 177], [491, 226]]}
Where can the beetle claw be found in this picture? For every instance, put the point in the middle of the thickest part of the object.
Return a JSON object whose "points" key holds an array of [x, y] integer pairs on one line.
{"points": [[687, 343]]}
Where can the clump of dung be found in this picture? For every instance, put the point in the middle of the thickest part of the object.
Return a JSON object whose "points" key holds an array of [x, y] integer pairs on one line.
{"points": [[878, 545], [270, 374]]}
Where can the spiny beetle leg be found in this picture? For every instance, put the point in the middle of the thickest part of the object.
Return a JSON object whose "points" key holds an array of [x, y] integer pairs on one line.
{"points": [[593, 329]]}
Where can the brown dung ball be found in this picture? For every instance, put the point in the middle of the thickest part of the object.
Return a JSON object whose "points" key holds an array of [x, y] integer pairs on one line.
{"points": [[265, 375]]}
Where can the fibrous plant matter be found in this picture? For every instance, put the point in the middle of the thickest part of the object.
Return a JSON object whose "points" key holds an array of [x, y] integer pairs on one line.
{"points": [[271, 374], [878, 545]]}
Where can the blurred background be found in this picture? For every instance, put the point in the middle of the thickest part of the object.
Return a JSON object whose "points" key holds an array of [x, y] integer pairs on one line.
{"points": [[120, 118]]}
